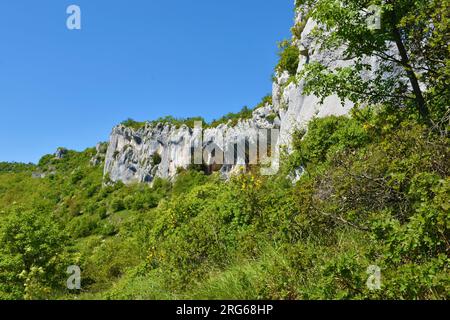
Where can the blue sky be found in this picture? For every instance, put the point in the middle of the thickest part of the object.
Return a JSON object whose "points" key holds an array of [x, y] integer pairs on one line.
{"points": [[138, 58]]}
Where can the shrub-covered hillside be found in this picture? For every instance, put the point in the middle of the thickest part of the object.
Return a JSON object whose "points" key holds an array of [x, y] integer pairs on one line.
{"points": [[375, 192]]}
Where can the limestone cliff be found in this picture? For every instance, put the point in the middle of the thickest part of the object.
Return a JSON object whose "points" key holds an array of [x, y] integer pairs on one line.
{"points": [[159, 150]]}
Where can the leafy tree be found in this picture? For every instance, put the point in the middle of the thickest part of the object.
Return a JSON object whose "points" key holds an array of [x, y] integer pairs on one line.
{"points": [[411, 37], [31, 256]]}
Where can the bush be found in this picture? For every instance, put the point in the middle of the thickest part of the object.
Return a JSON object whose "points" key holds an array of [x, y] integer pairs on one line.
{"points": [[233, 118], [116, 205], [32, 256], [185, 181], [327, 135], [130, 123], [83, 226], [156, 159], [266, 100], [289, 58], [15, 167]]}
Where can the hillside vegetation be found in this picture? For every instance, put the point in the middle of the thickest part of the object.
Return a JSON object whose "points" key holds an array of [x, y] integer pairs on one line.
{"points": [[375, 191]]}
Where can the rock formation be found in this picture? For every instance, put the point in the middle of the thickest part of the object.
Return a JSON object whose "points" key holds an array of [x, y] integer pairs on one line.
{"points": [[159, 150]]}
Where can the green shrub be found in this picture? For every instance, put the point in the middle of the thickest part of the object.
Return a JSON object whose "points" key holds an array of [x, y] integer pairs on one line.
{"points": [[32, 256], [116, 205], [265, 100], [327, 135], [271, 117], [289, 58], [185, 181], [135, 125], [156, 159], [83, 226], [14, 167], [233, 118]]}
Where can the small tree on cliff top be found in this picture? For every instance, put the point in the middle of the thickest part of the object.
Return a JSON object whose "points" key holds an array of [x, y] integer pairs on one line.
{"points": [[412, 36]]}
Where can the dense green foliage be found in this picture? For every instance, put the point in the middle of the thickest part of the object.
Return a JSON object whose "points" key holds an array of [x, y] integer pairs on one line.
{"points": [[412, 36], [177, 122], [375, 192], [245, 113], [15, 167], [289, 58]]}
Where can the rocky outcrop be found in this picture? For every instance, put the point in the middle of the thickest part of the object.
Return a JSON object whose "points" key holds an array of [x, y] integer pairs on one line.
{"points": [[99, 158], [295, 108], [60, 153], [160, 150]]}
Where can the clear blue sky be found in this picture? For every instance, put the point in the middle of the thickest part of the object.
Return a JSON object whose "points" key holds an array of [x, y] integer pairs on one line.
{"points": [[138, 58]]}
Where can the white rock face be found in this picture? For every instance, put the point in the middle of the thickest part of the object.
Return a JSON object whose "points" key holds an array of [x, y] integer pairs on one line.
{"points": [[133, 156], [295, 108], [161, 150], [131, 153]]}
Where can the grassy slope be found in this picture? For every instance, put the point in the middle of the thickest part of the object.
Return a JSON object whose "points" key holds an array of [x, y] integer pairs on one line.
{"points": [[375, 192]]}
